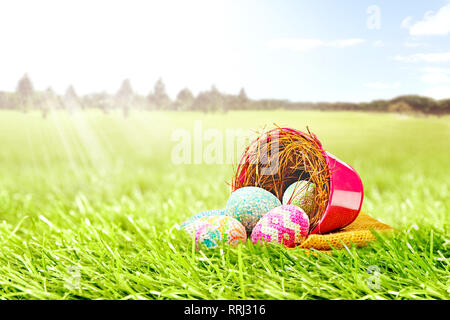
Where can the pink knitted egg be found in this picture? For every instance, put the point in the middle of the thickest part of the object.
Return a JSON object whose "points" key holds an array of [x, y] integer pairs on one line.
{"points": [[287, 224]]}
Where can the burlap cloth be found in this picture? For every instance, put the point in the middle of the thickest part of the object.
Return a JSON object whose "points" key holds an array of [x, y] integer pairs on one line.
{"points": [[357, 233]]}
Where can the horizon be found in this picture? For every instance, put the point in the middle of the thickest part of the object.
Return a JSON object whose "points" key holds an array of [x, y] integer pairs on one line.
{"points": [[173, 98], [295, 51]]}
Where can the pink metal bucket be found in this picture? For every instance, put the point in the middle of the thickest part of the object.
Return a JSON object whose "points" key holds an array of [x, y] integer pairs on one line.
{"points": [[346, 193], [345, 198]]}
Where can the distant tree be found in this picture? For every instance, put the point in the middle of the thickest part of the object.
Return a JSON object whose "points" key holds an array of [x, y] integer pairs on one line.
{"points": [[377, 105], [50, 101], [141, 102], [302, 106], [24, 86], [208, 101], [400, 107], [443, 107], [216, 99], [418, 103], [3, 100], [237, 102], [71, 99], [242, 96], [98, 100], [185, 100], [201, 102], [52, 98], [10, 101], [230, 102], [159, 97], [25, 92], [124, 97], [71, 93], [269, 104]]}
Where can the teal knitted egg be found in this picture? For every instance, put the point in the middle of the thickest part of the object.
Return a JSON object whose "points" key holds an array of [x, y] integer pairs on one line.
{"points": [[249, 204]]}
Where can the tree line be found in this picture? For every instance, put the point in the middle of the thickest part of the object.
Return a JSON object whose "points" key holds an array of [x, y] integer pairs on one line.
{"points": [[25, 98]]}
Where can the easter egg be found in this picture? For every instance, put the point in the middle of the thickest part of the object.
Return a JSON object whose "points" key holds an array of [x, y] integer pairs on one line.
{"points": [[249, 204], [207, 235], [215, 229], [287, 224], [188, 223], [300, 194]]}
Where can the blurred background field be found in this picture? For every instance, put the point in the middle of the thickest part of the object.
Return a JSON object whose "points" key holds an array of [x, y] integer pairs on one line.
{"points": [[100, 192]]}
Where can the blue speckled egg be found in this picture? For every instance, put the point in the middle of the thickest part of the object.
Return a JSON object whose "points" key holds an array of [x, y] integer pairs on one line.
{"points": [[188, 224], [249, 204], [300, 194]]}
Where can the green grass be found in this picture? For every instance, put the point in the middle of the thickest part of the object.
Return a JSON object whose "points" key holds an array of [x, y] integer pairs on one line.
{"points": [[88, 202]]}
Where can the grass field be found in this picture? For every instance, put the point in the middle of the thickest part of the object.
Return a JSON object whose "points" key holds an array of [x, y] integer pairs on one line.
{"points": [[87, 205]]}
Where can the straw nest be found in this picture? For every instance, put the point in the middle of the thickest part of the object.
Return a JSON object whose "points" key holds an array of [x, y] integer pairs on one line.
{"points": [[280, 157]]}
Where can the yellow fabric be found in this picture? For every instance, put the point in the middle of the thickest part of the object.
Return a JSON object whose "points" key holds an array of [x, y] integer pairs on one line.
{"points": [[357, 233]]}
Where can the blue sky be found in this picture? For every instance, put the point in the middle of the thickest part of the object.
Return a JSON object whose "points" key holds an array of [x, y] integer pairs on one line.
{"points": [[296, 50]]}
